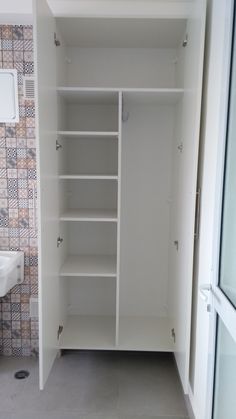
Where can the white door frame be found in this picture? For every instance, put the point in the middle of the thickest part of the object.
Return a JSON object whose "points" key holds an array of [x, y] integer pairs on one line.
{"points": [[219, 303], [214, 119]]}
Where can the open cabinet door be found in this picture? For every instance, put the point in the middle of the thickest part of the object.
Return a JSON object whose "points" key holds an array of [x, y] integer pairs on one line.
{"points": [[185, 180], [48, 230]]}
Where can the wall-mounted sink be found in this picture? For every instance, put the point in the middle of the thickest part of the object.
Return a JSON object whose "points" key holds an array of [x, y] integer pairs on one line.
{"points": [[11, 270]]}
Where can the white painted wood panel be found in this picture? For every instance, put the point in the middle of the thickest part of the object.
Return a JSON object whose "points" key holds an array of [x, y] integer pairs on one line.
{"points": [[94, 156], [147, 139], [184, 198], [84, 195], [87, 134], [89, 177], [116, 8], [122, 67], [98, 332], [91, 238], [145, 334], [91, 296], [89, 332], [92, 265], [92, 215], [48, 231], [91, 117], [121, 33]]}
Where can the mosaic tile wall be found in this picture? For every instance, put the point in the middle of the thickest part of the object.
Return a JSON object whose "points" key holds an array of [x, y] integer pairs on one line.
{"points": [[19, 334]]}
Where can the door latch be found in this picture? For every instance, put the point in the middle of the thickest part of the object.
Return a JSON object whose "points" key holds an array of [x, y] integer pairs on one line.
{"points": [[204, 291]]}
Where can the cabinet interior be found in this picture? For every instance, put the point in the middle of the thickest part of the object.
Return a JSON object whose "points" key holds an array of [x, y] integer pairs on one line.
{"points": [[121, 106]]}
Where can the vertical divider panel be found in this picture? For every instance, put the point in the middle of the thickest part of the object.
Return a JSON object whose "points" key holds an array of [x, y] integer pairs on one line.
{"points": [[118, 217]]}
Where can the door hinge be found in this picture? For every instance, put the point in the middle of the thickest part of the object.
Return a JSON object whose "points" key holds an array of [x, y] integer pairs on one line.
{"points": [[59, 241], [56, 40], [180, 147], [176, 243], [185, 41], [173, 334], [58, 145], [59, 332], [197, 214]]}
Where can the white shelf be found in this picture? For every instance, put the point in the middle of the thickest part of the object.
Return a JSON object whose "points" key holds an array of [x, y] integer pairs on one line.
{"points": [[90, 177], [89, 96], [91, 266], [89, 215], [88, 332], [131, 95], [145, 334], [88, 134]]}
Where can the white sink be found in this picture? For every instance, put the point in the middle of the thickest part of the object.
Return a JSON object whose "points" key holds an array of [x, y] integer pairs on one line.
{"points": [[11, 270]]}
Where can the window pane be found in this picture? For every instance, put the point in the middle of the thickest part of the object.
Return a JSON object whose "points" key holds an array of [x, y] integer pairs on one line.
{"points": [[228, 247], [225, 376]]}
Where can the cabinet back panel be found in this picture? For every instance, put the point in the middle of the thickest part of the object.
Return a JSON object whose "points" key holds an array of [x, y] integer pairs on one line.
{"points": [[86, 238], [88, 194], [92, 296], [87, 156], [121, 67], [95, 117], [146, 183]]}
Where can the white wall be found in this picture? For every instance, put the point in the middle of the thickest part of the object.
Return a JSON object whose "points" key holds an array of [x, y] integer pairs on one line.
{"points": [[13, 12]]}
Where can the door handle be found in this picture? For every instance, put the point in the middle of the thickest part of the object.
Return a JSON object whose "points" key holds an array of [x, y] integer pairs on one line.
{"points": [[204, 291]]}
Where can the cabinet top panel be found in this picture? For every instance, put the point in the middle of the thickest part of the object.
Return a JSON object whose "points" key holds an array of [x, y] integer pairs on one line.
{"points": [[121, 8], [121, 33]]}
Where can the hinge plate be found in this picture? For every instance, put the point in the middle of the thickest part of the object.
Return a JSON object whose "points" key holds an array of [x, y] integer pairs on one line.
{"points": [[59, 241], [185, 41], [56, 40], [59, 332], [173, 334], [180, 147], [58, 145]]}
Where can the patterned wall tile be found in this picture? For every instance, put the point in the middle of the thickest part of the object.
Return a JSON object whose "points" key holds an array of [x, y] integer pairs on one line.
{"points": [[18, 334]]}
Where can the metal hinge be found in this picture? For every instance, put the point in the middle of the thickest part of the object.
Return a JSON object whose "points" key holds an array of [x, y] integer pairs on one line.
{"points": [[56, 40], [59, 332], [197, 214], [59, 241], [185, 41], [180, 147], [176, 243], [58, 145]]}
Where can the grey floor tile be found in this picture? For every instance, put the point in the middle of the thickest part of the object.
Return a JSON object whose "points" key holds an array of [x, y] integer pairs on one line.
{"points": [[151, 417], [150, 387], [94, 385]]}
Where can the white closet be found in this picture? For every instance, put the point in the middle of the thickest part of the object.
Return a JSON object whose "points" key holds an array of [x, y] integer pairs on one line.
{"points": [[118, 116]]}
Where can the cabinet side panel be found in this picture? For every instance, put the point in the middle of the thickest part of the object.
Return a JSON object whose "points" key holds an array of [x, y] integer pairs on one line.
{"points": [[46, 120], [183, 204]]}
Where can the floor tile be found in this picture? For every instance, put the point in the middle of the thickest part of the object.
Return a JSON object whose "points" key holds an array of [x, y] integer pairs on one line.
{"points": [[94, 385]]}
